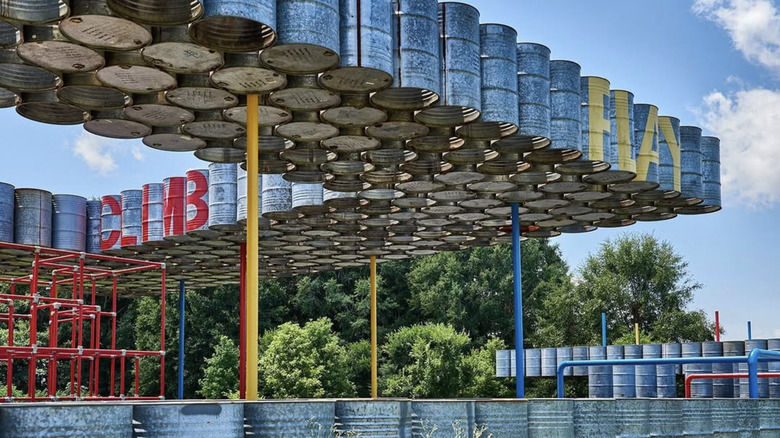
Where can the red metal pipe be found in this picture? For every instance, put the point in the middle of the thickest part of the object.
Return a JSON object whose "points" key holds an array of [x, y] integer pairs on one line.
{"points": [[121, 378], [113, 329], [137, 371], [33, 325], [242, 324], [162, 336], [691, 377], [717, 326]]}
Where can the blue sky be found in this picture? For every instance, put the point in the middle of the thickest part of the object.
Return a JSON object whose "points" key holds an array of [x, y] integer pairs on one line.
{"points": [[712, 63]]}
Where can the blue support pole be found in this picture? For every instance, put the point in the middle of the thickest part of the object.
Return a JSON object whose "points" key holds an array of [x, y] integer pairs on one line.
{"points": [[603, 329], [181, 339], [518, 295], [750, 331]]}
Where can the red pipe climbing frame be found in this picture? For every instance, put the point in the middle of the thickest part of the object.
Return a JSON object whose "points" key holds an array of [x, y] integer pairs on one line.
{"points": [[65, 305]]}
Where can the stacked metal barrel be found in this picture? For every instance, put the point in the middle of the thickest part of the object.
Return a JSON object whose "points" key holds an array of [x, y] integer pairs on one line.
{"points": [[388, 128]]}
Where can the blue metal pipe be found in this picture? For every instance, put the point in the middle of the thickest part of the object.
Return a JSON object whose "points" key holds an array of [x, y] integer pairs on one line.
{"points": [[756, 355], [518, 295], [603, 329], [181, 339], [750, 331]]}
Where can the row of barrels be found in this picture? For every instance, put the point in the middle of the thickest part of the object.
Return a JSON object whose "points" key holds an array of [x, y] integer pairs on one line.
{"points": [[629, 381], [401, 418]]}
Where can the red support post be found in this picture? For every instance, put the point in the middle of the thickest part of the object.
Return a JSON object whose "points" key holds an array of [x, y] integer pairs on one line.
{"points": [[113, 328], [717, 326], [162, 336]]}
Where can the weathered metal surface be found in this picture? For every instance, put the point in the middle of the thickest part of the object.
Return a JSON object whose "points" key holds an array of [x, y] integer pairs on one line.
{"points": [[428, 416], [276, 196], [632, 417], [85, 91], [224, 195], [10, 35], [623, 378], [460, 54], [774, 367], [93, 226], [366, 34], [665, 418], [416, 63], [111, 223], [565, 117], [155, 13], [561, 355], [710, 149], [646, 138], [314, 23], [114, 124], [549, 363], [60, 56], [379, 418], [271, 419], [769, 418], [669, 153], [697, 418], [595, 418], [32, 217], [34, 11], [69, 222], [198, 208], [501, 418], [152, 213], [596, 145], [132, 223], [552, 418], [691, 183], [307, 198], [623, 149], [17, 76], [101, 32], [580, 353], [533, 87], [533, 362], [6, 212], [49, 420], [599, 377], [174, 420], [646, 375], [236, 25]]}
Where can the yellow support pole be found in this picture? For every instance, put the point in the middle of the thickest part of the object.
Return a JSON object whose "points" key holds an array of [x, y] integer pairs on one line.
{"points": [[636, 333], [252, 224], [374, 390]]}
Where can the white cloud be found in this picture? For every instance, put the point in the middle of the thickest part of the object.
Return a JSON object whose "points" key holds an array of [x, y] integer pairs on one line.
{"points": [[137, 153], [96, 153], [748, 124], [753, 25]]}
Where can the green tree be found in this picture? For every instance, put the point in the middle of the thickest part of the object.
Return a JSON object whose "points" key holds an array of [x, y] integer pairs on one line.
{"points": [[481, 366], [220, 375], [637, 279], [307, 361]]}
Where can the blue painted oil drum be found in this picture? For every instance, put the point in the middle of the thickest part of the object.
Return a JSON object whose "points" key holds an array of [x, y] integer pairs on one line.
{"points": [[623, 149], [460, 54], [580, 353], [646, 139], [691, 183], [6, 212], [533, 88], [599, 377], [548, 362], [710, 168], [623, 376], [499, 73], [32, 217], [566, 120], [763, 367], [223, 196], [533, 362], [564, 354], [596, 125], [236, 25], [131, 217], [503, 363], [93, 226], [366, 34], [669, 153], [699, 388], [417, 63], [774, 367], [732, 348], [152, 213], [646, 384], [69, 222]]}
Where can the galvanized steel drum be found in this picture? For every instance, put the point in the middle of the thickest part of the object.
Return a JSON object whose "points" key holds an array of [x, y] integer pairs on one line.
{"points": [[646, 384], [417, 63], [691, 183], [646, 139], [623, 377], [690, 349], [224, 196], [93, 226], [623, 149], [565, 117], [34, 11], [503, 363], [498, 54], [549, 362], [271, 419], [374, 417], [725, 418], [700, 388], [672, 349], [131, 217], [769, 418], [235, 25], [564, 354], [175, 420], [69, 222], [111, 223], [501, 417], [774, 367], [580, 353], [307, 198], [632, 417], [763, 367], [277, 195], [725, 388], [174, 207], [599, 377], [596, 124], [6, 212], [457, 415], [32, 217], [35, 420], [665, 418], [152, 213], [10, 35], [669, 171], [697, 418], [550, 418], [308, 37], [533, 362], [460, 53], [533, 88], [366, 34], [595, 418], [197, 200], [156, 13], [710, 150], [241, 195]]}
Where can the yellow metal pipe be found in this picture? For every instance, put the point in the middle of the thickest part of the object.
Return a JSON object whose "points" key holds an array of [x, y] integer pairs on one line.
{"points": [[374, 390], [636, 333], [252, 225]]}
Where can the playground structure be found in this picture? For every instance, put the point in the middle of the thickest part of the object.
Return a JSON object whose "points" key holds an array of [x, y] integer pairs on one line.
{"points": [[56, 293]]}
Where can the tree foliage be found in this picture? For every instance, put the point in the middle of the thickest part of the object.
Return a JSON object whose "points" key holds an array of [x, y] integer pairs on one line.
{"points": [[220, 374]]}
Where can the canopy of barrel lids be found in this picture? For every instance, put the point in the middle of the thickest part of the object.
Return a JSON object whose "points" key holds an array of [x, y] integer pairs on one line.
{"points": [[388, 128]]}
